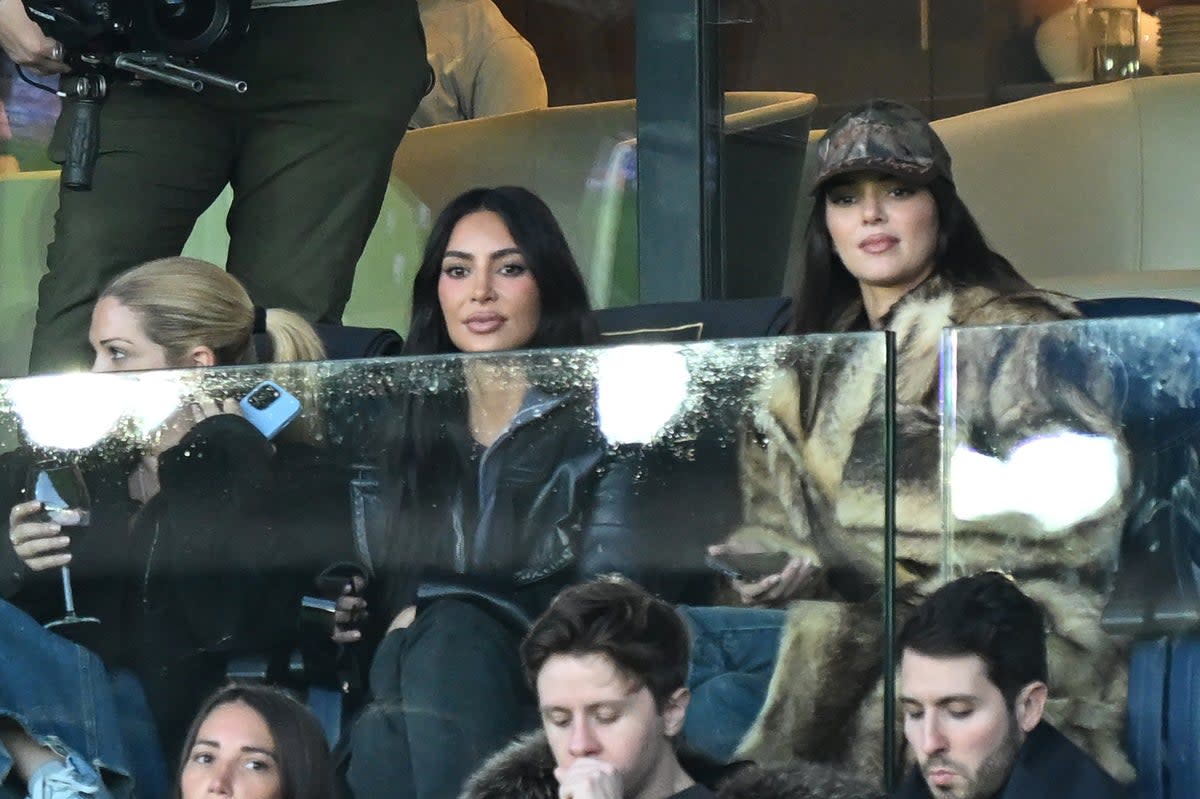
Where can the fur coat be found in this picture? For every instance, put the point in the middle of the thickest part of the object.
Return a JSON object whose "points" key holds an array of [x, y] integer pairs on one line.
{"points": [[811, 473], [525, 770]]}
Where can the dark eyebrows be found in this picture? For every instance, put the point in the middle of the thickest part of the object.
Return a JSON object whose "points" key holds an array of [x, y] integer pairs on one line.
{"points": [[943, 701], [247, 749], [618, 704], [497, 254]]}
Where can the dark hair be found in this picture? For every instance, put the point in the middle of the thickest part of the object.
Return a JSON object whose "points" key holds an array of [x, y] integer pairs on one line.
{"points": [[984, 615], [827, 295], [305, 767], [566, 318], [422, 445], [643, 636]]}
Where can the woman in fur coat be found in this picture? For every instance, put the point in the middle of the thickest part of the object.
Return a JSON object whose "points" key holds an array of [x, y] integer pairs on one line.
{"points": [[892, 246]]}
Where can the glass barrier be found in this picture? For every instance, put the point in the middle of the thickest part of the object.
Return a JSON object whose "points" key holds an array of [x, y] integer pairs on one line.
{"points": [[1070, 462], [484, 481]]}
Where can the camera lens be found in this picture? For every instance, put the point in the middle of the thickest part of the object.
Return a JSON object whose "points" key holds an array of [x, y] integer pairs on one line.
{"points": [[184, 20], [189, 27], [173, 9], [263, 397]]}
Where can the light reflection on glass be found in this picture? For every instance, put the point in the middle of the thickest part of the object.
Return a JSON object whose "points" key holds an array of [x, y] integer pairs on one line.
{"points": [[77, 411], [641, 389], [1058, 480]]}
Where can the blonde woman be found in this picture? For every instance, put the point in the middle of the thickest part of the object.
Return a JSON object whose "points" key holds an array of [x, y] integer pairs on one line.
{"points": [[190, 557]]}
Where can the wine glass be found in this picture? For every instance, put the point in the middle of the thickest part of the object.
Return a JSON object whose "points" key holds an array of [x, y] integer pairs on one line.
{"points": [[61, 489]]}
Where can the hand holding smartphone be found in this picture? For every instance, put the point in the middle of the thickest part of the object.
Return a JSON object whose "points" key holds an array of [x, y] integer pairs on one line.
{"points": [[269, 407], [747, 566]]}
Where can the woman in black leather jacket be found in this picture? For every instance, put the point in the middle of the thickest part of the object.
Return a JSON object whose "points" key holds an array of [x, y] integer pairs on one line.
{"points": [[501, 493]]}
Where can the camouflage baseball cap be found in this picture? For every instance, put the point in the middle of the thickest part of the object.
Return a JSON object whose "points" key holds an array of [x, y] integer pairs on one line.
{"points": [[882, 136]]}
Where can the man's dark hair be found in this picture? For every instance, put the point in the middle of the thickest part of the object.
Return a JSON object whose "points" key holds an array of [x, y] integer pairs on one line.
{"points": [[984, 615], [643, 636]]}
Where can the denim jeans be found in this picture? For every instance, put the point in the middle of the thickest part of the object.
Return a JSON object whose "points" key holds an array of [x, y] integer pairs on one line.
{"points": [[65, 697], [732, 659]]}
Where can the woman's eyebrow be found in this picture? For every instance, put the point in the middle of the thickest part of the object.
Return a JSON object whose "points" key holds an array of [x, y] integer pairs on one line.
{"points": [[506, 252], [259, 750], [466, 256], [217, 745]]}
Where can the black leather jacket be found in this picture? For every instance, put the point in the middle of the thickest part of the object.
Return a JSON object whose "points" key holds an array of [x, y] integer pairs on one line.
{"points": [[554, 507]]}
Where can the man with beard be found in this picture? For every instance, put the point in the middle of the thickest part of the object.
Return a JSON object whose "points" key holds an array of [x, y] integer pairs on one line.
{"points": [[973, 687]]}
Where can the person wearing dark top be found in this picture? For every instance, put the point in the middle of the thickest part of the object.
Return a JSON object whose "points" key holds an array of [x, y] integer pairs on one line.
{"points": [[609, 663], [182, 562], [501, 490], [973, 688], [307, 151]]}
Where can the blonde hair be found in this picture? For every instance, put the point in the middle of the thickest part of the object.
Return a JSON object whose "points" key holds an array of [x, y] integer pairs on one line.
{"points": [[185, 302]]}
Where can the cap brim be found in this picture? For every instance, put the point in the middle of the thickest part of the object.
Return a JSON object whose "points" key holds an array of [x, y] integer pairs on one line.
{"points": [[914, 173]]}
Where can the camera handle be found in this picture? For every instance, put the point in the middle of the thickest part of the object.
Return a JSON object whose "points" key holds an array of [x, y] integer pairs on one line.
{"points": [[82, 96]]}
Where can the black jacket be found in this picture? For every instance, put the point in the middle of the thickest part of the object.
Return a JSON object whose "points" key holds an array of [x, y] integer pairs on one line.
{"points": [[551, 505], [525, 770], [1048, 766], [212, 567]]}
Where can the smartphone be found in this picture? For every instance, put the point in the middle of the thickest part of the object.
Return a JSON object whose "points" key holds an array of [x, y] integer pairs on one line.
{"points": [[748, 566], [269, 407]]}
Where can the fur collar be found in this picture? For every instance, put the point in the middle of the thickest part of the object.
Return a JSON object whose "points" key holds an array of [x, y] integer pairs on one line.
{"points": [[525, 770]]}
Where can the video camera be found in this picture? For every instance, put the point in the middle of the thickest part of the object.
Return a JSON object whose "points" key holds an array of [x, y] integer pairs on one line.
{"points": [[148, 39], [184, 28]]}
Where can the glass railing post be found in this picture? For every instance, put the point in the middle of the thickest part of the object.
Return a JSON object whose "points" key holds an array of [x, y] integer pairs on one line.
{"points": [[679, 150]]}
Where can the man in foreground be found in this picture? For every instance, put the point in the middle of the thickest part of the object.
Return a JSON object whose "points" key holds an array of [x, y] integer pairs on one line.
{"points": [[609, 664], [972, 686]]}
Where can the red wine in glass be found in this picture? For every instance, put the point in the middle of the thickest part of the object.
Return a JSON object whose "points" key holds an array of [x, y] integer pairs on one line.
{"points": [[64, 497]]}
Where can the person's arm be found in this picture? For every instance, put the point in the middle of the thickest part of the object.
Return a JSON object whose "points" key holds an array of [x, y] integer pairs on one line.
{"points": [[509, 79], [1045, 412], [23, 41], [1043, 456], [220, 537], [33, 546], [777, 516], [772, 474], [610, 541]]}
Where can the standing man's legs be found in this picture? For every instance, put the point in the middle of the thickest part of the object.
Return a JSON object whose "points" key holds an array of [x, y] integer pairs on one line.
{"points": [[164, 156], [336, 85]]}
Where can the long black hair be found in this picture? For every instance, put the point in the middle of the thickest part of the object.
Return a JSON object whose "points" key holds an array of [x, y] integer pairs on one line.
{"points": [[305, 766], [566, 317], [828, 297], [423, 461]]}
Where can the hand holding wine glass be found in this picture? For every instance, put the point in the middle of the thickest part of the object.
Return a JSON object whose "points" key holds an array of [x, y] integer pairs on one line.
{"points": [[40, 543], [59, 498]]}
